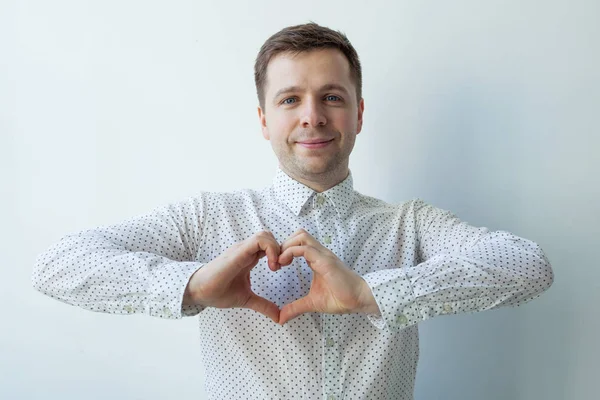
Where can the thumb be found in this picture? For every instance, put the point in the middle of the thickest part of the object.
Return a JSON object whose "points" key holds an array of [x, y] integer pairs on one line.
{"points": [[263, 306], [295, 308]]}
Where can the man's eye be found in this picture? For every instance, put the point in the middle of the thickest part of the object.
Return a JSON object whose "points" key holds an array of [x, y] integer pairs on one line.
{"points": [[333, 97], [288, 102]]}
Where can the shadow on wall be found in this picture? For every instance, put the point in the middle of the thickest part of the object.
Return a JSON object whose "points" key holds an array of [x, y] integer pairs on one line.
{"points": [[471, 152], [471, 142]]}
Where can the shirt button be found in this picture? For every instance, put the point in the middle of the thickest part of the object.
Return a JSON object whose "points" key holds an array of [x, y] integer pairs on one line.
{"points": [[329, 342], [401, 319], [128, 308], [331, 397], [320, 200], [166, 311], [327, 240], [447, 308]]}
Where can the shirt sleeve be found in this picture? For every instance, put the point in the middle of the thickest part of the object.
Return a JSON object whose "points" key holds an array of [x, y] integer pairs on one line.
{"points": [[463, 269], [141, 265]]}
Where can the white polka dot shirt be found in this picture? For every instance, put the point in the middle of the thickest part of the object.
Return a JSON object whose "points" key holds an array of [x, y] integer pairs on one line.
{"points": [[420, 262]]}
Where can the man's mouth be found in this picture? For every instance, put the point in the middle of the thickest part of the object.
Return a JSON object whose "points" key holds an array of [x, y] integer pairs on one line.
{"points": [[315, 144]]}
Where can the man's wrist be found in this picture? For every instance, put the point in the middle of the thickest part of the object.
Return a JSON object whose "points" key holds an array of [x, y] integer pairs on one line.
{"points": [[368, 303], [190, 297]]}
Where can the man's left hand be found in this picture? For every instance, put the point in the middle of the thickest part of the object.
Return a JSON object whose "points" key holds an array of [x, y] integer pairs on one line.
{"points": [[335, 288]]}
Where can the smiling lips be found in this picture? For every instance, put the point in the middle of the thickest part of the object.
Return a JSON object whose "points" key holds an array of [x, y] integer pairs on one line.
{"points": [[315, 143]]}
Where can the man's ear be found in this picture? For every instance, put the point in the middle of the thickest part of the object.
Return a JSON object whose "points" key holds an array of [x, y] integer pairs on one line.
{"points": [[361, 109], [263, 123]]}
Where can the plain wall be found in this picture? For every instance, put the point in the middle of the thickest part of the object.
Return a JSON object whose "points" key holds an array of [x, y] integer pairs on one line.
{"points": [[487, 108]]}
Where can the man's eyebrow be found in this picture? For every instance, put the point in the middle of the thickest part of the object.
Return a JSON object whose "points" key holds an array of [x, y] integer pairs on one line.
{"points": [[329, 86]]}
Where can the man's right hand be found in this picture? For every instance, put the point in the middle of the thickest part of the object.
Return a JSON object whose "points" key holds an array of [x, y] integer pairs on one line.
{"points": [[225, 281]]}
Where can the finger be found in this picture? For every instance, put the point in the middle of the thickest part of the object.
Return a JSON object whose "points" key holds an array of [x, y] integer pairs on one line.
{"points": [[296, 308], [308, 252], [272, 250], [263, 306], [263, 243], [286, 243], [298, 238]]}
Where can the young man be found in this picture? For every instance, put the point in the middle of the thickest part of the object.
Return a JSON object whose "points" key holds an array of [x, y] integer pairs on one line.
{"points": [[305, 289]]}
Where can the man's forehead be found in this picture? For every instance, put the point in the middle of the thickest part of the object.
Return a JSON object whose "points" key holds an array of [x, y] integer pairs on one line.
{"points": [[319, 68]]}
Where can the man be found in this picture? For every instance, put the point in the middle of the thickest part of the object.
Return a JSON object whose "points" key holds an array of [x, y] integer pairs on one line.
{"points": [[305, 289]]}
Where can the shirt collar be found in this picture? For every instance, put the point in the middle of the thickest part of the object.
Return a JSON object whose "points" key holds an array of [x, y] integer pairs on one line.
{"points": [[295, 194]]}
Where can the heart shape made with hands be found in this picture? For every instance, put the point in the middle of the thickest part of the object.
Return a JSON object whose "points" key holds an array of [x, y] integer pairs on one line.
{"points": [[335, 288]]}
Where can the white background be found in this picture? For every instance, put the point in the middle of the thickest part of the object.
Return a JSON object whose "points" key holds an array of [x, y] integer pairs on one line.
{"points": [[487, 108]]}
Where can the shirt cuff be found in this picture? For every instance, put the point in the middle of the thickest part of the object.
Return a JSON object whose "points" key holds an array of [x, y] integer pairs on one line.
{"points": [[394, 296], [167, 289]]}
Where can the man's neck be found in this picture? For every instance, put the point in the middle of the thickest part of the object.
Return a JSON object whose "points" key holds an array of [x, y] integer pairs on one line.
{"points": [[319, 185]]}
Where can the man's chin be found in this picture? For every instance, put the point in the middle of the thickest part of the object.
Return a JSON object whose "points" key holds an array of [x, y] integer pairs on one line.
{"points": [[316, 168], [310, 167]]}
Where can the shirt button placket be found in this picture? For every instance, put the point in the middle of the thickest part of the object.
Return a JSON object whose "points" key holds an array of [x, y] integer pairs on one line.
{"points": [[332, 359], [331, 354], [320, 200]]}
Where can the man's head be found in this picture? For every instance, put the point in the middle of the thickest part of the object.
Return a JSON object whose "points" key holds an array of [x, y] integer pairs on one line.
{"points": [[308, 80]]}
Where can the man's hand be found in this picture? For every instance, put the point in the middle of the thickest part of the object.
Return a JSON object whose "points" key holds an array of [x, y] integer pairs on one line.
{"points": [[335, 288], [225, 281]]}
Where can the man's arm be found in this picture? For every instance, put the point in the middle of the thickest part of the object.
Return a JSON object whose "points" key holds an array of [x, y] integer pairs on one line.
{"points": [[464, 269], [141, 265]]}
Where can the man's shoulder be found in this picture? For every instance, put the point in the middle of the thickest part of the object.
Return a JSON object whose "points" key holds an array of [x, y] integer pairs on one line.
{"points": [[206, 199], [227, 196], [365, 201]]}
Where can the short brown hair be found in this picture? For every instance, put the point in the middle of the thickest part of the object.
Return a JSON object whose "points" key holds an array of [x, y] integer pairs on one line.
{"points": [[301, 38]]}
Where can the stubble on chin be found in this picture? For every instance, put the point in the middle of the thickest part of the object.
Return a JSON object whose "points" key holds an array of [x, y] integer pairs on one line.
{"points": [[310, 170]]}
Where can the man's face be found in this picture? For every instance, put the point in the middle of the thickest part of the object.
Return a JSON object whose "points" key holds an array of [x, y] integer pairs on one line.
{"points": [[311, 97]]}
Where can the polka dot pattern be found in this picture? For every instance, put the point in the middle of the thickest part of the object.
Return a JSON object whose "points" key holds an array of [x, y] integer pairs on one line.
{"points": [[420, 261]]}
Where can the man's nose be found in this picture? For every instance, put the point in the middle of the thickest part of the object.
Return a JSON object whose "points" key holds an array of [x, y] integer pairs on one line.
{"points": [[313, 114]]}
